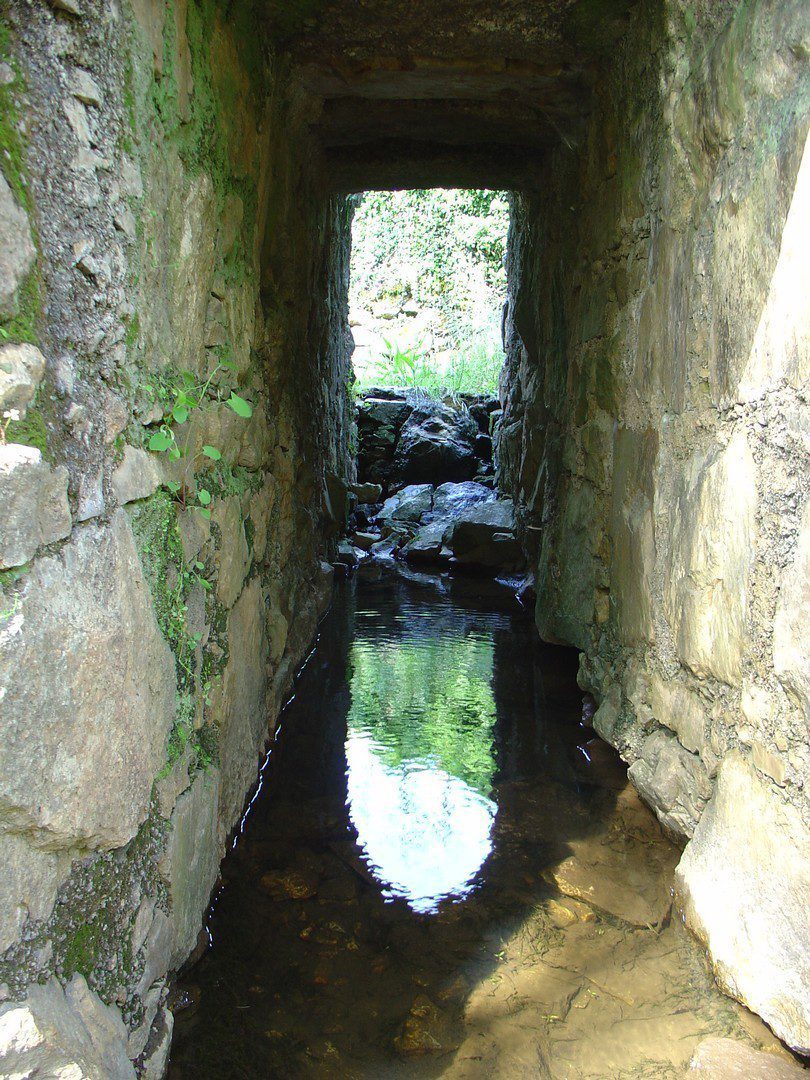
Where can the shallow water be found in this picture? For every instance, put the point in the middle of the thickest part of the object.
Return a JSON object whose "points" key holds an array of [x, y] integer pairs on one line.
{"points": [[445, 873]]}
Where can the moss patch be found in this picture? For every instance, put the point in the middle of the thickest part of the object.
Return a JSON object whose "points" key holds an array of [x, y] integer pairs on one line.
{"points": [[91, 925]]}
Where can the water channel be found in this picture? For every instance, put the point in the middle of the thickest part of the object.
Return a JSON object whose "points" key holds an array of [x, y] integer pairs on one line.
{"points": [[445, 873]]}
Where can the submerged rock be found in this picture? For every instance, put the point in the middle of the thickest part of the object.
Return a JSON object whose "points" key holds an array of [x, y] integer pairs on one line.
{"points": [[427, 1030], [728, 1059]]}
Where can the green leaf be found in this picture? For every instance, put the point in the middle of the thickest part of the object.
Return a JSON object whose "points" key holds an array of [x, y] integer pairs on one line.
{"points": [[203, 497], [212, 452], [161, 441], [206, 513], [206, 584], [199, 565], [240, 406], [180, 414], [175, 453], [188, 377], [228, 365], [173, 486]]}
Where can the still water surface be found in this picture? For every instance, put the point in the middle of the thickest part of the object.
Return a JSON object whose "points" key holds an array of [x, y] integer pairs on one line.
{"points": [[445, 874]]}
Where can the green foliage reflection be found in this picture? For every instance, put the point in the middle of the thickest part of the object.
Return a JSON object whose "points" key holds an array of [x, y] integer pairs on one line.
{"points": [[428, 701]]}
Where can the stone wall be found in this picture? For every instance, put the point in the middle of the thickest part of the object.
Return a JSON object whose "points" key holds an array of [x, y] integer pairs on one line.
{"points": [[167, 266], [655, 438]]}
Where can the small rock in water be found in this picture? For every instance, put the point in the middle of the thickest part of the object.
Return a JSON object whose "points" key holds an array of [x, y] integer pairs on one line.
{"points": [[426, 1031], [289, 885]]}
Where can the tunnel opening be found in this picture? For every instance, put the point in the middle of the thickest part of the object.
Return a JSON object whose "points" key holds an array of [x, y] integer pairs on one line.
{"points": [[427, 289], [187, 482]]}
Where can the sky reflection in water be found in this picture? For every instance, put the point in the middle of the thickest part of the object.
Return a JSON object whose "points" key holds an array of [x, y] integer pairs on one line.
{"points": [[421, 762]]}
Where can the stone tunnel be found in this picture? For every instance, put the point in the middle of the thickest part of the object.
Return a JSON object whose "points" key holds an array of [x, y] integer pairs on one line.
{"points": [[175, 185]]}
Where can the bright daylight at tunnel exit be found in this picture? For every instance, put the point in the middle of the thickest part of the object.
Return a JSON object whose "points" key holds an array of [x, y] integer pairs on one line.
{"points": [[404, 539]]}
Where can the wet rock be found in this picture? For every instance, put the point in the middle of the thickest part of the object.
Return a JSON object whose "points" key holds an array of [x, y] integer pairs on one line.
{"points": [[34, 501], [83, 742], [483, 536], [727, 1059], [626, 871], [409, 504], [240, 701], [744, 880], [156, 1054], [63, 1033], [21, 370], [427, 1030]]}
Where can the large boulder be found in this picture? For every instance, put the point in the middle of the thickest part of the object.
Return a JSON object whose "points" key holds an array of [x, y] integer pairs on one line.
{"points": [[379, 422], [450, 500], [409, 504], [88, 690], [437, 444], [483, 537], [744, 883]]}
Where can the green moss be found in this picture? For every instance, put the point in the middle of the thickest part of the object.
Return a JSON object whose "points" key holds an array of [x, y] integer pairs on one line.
{"points": [[23, 325], [157, 535], [90, 929], [30, 431], [154, 524], [224, 480], [133, 331], [11, 143]]}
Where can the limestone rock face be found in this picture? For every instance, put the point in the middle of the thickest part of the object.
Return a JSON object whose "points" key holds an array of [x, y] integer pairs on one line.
{"points": [[138, 476], [83, 740], [63, 1034], [28, 884], [791, 630], [712, 534], [244, 722], [35, 504], [673, 781], [191, 862], [744, 882], [17, 251]]}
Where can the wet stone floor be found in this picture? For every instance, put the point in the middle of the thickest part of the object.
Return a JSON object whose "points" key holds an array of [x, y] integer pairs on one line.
{"points": [[445, 873]]}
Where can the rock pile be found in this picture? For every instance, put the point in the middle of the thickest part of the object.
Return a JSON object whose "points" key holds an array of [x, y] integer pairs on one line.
{"points": [[455, 526], [405, 437]]}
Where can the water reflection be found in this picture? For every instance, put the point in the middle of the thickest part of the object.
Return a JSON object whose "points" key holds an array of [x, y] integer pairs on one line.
{"points": [[416, 716], [420, 761]]}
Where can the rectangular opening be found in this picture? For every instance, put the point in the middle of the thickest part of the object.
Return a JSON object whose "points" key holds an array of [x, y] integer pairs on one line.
{"points": [[427, 289]]}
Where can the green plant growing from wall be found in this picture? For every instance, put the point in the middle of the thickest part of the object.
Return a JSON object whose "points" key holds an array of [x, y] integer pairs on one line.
{"points": [[194, 395]]}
